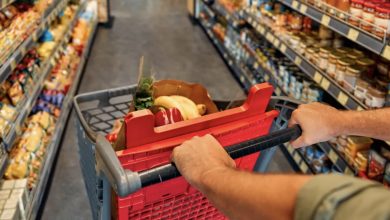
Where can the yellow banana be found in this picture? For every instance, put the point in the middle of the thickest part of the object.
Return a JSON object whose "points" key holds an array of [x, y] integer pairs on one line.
{"points": [[188, 105], [168, 102]]}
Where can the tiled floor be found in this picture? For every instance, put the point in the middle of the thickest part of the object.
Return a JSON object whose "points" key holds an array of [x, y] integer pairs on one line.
{"points": [[161, 31]]}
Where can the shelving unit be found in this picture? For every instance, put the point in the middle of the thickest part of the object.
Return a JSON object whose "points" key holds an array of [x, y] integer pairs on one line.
{"points": [[296, 159], [334, 89], [29, 103], [248, 79], [49, 15], [342, 27], [37, 193]]}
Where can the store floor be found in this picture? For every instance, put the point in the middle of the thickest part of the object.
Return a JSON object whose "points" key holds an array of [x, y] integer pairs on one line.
{"points": [[161, 31]]}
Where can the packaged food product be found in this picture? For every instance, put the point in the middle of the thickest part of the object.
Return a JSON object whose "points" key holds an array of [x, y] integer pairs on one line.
{"points": [[368, 15], [350, 77], [7, 112], [45, 120], [382, 20], [343, 6], [356, 11], [361, 89], [376, 165], [325, 33], [368, 67], [356, 144], [332, 63], [324, 55], [341, 68], [375, 97], [333, 4], [296, 21]]}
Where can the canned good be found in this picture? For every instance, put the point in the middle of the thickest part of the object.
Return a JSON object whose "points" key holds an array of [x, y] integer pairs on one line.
{"points": [[332, 63], [354, 55], [368, 15], [382, 20], [351, 76], [361, 88], [368, 66], [324, 55], [375, 97], [341, 68]]}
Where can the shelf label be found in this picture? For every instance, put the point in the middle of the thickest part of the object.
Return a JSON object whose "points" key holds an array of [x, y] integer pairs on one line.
{"points": [[53, 62], [342, 98], [269, 37], [353, 34], [225, 55], [230, 62], [266, 77], [276, 42], [227, 16], [261, 29], [255, 65], [325, 20], [277, 91], [242, 79], [317, 77], [303, 9], [348, 171], [297, 158], [333, 156], [13, 63], [304, 168], [235, 23], [359, 108], [34, 36], [325, 84], [386, 52], [295, 4], [297, 60], [283, 48]]}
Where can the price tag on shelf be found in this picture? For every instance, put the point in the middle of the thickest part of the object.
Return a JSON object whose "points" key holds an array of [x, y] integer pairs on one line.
{"points": [[276, 42], [297, 60], [268, 37], [348, 171], [297, 158], [235, 23], [242, 79], [256, 65], [266, 77], [353, 34], [359, 108], [333, 156], [57, 55], [325, 83], [53, 62], [277, 91], [283, 48], [317, 77], [386, 52], [225, 55], [34, 36], [304, 168], [303, 9], [290, 149], [295, 4], [342, 98], [13, 63], [262, 30], [230, 62], [325, 20]]}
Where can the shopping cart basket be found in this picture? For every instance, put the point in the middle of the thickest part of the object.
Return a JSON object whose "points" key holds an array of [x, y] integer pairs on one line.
{"points": [[151, 191]]}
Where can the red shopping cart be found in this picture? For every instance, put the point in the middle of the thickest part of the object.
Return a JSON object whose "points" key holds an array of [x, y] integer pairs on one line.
{"points": [[139, 182]]}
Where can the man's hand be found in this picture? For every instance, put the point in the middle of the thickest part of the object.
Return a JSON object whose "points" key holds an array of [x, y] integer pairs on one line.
{"points": [[200, 156], [319, 123]]}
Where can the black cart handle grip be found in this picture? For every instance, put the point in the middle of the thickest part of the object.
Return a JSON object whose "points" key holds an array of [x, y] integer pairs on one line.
{"points": [[125, 182], [169, 171]]}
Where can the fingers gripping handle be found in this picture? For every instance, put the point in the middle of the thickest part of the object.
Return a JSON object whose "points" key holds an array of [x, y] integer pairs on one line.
{"points": [[169, 171], [124, 182]]}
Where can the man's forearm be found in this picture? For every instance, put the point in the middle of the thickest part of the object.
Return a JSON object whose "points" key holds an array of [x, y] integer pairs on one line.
{"points": [[373, 123], [244, 195]]}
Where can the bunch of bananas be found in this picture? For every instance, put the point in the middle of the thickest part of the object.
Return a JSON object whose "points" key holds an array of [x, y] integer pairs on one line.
{"points": [[188, 109]]}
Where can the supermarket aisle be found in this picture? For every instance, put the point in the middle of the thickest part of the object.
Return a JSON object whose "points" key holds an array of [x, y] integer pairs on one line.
{"points": [[161, 31]]}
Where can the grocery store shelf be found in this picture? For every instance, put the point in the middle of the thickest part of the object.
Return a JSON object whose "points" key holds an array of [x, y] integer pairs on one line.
{"points": [[245, 80], [49, 15], [365, 39], [38, 192], [336, 158], [231, 18], [296, 159], [29, 102], [345, 98]]}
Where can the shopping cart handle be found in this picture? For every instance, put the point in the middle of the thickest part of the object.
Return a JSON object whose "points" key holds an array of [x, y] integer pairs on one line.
{"points": [[169, 171], [125, 182]]}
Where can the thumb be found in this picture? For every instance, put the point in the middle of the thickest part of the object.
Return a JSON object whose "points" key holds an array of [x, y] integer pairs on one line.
{"points": [[299, 142]]}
